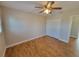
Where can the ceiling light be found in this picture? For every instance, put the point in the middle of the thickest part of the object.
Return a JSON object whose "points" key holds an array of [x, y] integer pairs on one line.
{"points": [[47, 11], [48, 7]]}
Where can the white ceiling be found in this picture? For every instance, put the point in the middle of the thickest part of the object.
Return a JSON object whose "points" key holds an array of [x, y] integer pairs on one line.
{"points": [[29, 6]]}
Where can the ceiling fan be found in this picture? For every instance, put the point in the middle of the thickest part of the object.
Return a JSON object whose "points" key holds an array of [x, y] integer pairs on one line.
{"points": [[48, 8]]}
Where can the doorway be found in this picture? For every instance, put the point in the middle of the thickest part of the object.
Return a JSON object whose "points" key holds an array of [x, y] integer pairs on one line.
{"points": [[74, 27], [74, 34]]}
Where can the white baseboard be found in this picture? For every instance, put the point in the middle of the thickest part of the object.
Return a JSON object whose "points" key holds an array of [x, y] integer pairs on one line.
{"points": [[73, 36], [4, 52], [24, 41], [65, 41]]}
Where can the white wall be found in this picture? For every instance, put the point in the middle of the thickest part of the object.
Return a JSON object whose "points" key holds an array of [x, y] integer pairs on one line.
{"points": [[53, 25], [65, 27], [2, 45], [20, 26], [59, 25], [75, 25], [2, 42], [78, 33]]}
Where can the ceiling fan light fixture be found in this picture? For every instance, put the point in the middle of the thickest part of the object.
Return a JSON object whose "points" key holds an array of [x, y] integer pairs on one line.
{"points": [[47, 11], [48, 8]]}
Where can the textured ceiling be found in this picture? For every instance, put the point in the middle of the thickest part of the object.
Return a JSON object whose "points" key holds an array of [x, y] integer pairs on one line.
{"points": [[29, 6]]}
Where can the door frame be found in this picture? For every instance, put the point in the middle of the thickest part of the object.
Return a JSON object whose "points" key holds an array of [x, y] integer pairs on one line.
{"points": [[71, 18]]}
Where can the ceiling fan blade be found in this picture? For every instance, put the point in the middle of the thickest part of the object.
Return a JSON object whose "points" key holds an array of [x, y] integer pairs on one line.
{"points": [[38, 7], [57, 8], [49, 3], [52, 2], [41, 11]]}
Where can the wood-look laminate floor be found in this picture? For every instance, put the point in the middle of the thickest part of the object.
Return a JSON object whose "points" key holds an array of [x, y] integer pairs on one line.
{"points": [[44, 47]]}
